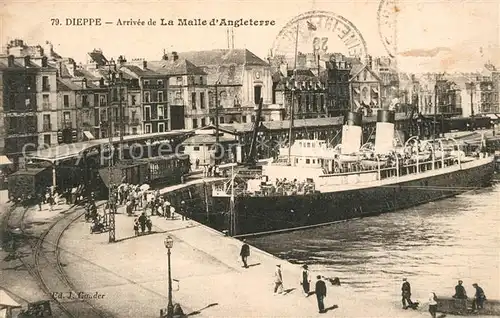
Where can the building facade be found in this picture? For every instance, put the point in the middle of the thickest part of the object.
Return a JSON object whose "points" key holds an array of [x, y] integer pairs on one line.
{"points": [[188, 92], [156, 112], [364, 88], [29, 97], [236, 79]]}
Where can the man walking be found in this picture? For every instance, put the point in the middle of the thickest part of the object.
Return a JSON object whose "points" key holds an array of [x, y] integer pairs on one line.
{"points": [[479, 297], [278, 280], [406, 294], [244, 253], [320, 294], [305, 280]]}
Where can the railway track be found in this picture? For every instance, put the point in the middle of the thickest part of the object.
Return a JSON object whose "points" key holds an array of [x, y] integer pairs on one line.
{"points": [[45, 267]]}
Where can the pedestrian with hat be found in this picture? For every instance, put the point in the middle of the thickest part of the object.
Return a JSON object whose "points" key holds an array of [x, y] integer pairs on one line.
{"points": [[244, 253], [406, 294], [305, 280], [278, 280], [320, 291]]}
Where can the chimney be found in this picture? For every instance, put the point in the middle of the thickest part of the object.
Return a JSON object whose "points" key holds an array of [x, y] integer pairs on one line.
{"points": [[175, 57], [10, 61], [26, 61], [84, 82], [144, 64]]}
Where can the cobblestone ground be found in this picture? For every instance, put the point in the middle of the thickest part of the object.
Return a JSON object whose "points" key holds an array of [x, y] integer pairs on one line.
{"points": [[209, 280]]}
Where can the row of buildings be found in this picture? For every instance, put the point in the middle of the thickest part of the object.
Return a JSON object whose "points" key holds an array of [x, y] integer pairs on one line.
{"points": [[47, 99]]}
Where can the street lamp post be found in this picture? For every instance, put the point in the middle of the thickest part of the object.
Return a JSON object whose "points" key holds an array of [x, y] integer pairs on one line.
{"points": [[169, 243]]}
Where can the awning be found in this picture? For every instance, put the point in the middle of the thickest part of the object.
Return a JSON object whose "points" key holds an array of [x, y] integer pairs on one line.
{"points": [[4, 161], [88, 135], [116, 176], [357, 103], [356, 90], [375, 90], [7, 301]]}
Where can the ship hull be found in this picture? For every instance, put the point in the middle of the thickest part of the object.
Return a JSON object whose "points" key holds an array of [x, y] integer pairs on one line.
{"points": [[257, 214]]}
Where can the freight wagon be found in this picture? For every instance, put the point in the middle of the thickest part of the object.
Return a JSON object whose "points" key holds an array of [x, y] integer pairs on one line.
{"points": [[163, 170], [25, 184]]}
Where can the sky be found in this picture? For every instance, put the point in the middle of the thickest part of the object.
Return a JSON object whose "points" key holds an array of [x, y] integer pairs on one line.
{"points": [[468, 30]]}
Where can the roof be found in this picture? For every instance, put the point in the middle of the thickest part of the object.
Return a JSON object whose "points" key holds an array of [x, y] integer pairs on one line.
{"points": [[67, 151], [207, 139], [84, 73], [139, 72], [98, 58], [358, 68], [223, 57], [179, 67], [28, 172], [225, 74]]}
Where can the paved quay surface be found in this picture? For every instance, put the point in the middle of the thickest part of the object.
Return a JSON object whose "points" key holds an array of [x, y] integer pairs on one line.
{"points": [[132, 275]]}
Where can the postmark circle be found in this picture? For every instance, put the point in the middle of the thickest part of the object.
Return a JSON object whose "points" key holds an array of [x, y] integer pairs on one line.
{"points": [[387, 24], [315, 31]]}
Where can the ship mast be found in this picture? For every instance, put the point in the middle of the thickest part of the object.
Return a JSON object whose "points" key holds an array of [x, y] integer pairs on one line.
{"points": [[292, 108]]}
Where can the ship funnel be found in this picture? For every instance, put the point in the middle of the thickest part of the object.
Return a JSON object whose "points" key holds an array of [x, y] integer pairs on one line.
{"points": [[385, 131], [351, 133]]}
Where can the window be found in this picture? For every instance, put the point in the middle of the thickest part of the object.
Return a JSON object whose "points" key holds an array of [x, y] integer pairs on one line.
{"points": [[201, 80], [46, 139], [133, 99], [322, 101], [203, 122], [160, 112], [221, 120], [196, 148], [257, 90], [46, 123], [147, 97], [195, 123], [243, 118], [45, 83], [193, 100], [308, 161], [46, 101], [85, 102], [146, 82], [66, 101], [160, 96], [147, 128], [102, 100], [147, 113], [202, 100], [179, 80], [134, 131], [161, 127], [160, 83]]}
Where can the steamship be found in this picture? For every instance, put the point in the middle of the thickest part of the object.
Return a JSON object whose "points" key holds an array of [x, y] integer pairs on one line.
{"points": [[318, 184]]}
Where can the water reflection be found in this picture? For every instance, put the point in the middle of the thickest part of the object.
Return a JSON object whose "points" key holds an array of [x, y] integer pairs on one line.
{"points": [[433, 245]]}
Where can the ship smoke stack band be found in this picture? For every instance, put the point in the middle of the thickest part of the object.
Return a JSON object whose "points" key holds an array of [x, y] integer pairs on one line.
{"points": [[385, 131], [351, 133]]}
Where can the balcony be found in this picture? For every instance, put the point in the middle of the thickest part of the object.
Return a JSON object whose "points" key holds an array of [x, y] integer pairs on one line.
{"points": [[46, 88], [47, 127]]}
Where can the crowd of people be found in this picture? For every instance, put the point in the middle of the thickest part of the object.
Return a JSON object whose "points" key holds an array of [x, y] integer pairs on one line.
{"points": [[133, 198], [288, 187], [460, 298]]}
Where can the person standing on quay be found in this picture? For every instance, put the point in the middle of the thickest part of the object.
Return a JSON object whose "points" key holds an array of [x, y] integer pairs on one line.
{"points": [[278, 280], [479, 297], [244, 253], [433, 304], [320, 291], [406, 294], [305, 280]]}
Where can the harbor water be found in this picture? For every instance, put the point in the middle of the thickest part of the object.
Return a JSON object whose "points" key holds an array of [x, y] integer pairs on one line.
{"points": [[433, 245]]}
